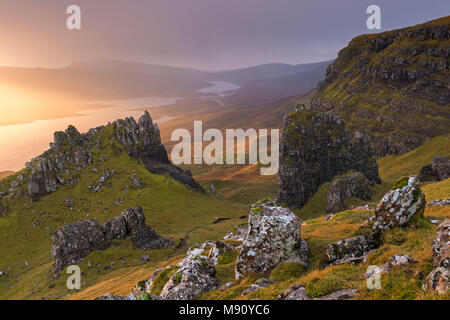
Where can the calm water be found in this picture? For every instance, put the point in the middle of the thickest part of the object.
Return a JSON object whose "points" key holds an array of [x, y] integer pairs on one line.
{"points": [[20, 143]]}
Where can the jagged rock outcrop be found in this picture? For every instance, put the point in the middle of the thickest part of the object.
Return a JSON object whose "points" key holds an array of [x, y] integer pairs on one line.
{"points": [[72, 151], [218, 249], [197, 274], [350, 250], [76, 241], [399, 205], [261, 283], [438, 170], [394, 84], [274, 236], [315, 147], [351, 185], [439, 203], [142, 140], [438, 279]]}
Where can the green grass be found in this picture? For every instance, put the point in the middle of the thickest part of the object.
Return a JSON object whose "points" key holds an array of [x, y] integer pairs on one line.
{"points": [[170, 208]]}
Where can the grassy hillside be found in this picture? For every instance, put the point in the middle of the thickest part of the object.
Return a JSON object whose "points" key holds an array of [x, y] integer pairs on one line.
{"points": [[171, 208]]}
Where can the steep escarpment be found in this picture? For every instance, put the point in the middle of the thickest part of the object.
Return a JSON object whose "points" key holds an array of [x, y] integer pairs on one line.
{"points": [[314, 148], [394, 84]]}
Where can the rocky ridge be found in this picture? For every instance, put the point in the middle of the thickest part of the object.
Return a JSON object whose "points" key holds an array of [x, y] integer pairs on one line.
{"points": [[394, 84], [315, 147]]}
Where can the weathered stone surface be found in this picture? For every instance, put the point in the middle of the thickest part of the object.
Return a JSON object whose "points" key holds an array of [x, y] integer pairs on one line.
{"points": [[439, 203], [351, 185], [274, 236], [398, 206], [75, 241], [395, 260], [142, 236], [71, 152], [258, 285], [115, 228], [438, 279], [296, 292], [110, 296], [196, 275], [314, 148], [350, 250], [438, 170], [227, 286]]}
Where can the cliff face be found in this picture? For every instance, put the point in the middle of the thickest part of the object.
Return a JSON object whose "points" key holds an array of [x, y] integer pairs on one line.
{"points": [[314, 148], [394, 84]]}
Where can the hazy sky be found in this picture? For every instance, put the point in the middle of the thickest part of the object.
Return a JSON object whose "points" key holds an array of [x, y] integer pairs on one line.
{"points": [[208, 34]]}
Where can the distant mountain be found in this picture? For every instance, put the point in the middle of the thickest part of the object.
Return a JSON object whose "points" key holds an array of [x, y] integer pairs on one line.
{"points": [[393, 84]]}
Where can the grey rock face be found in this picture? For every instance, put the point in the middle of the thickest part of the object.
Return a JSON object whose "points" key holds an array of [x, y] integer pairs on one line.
{"points": [[395, 260], [196, 275], [350, 250], [258, 285], [314, 148], [438, 170], [75, 241], [438, 279], [274, 236], [115, 228], [142, 140], [296, 292], [398, 206], [219, 249], [352, 185], [110, 296], [71, 152]]}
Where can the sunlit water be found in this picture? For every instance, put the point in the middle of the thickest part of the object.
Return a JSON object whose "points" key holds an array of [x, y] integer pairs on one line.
{"points": [[22, 142]]}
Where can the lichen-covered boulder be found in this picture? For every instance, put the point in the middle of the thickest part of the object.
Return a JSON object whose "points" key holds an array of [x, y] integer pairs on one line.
{"points": [[343, 188], [195, 276], [399, 205], [350, 250], [274, 236], [115, 228], [314, 148], [438, 279], [142, 236]]}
